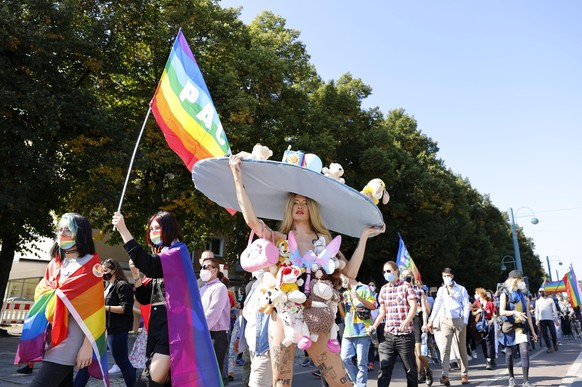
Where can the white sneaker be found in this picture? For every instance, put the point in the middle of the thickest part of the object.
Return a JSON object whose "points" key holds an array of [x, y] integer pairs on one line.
{"points": [[114, 370]]}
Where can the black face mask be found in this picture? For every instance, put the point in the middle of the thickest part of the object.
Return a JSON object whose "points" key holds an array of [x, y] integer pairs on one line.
{"points": [[408, 279], [107, 276], [542, 294]]}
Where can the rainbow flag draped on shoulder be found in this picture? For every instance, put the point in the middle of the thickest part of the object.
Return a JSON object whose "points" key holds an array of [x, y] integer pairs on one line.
{"points": [[404, 260], [79, 296], [184, 109], [193, 361]]}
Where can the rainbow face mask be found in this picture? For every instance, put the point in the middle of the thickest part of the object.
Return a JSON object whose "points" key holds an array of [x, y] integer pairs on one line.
{"points": [[156, 237], [66, 242]]}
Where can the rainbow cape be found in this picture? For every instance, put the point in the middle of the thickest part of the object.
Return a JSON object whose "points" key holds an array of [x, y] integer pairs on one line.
{"points": [[192, 357], [572, 287], [404, 261], [184, 109], [79, 296]]}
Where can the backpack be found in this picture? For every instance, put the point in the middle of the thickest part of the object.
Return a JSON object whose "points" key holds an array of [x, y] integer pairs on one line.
{"points": [[482, 326]]}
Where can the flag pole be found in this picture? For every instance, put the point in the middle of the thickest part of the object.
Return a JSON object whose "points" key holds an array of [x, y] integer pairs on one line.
{"points": [[133, 158]]}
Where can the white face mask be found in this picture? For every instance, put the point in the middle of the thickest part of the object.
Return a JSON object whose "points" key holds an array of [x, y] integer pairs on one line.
{"points": [[205, 275], [477, 297], [521, 285], [448, 281]]}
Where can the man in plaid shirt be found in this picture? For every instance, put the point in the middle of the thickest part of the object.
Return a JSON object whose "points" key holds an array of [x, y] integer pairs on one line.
{"points": [[397, 300]]}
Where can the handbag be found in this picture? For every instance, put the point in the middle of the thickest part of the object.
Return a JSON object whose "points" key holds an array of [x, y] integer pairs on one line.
{"points": [[507, 327], [259, 254]]}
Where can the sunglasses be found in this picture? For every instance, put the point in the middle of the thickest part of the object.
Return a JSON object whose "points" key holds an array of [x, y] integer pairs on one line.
{"points": [[208, 267], [388, 271]]}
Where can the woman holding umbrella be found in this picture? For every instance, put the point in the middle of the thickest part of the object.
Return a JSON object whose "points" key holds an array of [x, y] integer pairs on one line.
{"points": [[302, 216]]}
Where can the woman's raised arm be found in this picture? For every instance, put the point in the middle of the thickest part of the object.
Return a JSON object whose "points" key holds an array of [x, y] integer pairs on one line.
{"points": [[244, 201]]}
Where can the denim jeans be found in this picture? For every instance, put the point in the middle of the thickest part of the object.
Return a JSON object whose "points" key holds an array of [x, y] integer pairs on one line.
{"points": [[389, 349], [357, 346], [544, 326]]}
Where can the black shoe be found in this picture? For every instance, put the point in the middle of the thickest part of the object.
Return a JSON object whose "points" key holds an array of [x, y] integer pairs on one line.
{"points": [[316, 373], [489, 365], [428, 377], [26, 370]]}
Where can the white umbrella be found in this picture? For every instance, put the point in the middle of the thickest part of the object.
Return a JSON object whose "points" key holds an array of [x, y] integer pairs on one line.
{"points": [[268, 183]]}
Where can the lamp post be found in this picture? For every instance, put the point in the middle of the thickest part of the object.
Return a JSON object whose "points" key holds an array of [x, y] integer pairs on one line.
{"points": [[550, 268], [510, 260], [534, 220]]}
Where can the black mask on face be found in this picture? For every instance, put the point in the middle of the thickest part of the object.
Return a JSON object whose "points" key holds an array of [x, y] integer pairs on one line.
{"points": [[408, 279], [542, 294], [107, 276]]}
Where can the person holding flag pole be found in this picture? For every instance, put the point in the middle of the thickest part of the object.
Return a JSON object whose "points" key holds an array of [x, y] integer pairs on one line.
{"points": [[179, 343]]}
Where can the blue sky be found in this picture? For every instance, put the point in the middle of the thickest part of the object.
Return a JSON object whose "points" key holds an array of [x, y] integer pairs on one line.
{"points": [[496, 84]]}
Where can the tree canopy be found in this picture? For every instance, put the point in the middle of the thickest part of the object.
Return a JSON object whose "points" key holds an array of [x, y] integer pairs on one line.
{"points": [[77, 78]]}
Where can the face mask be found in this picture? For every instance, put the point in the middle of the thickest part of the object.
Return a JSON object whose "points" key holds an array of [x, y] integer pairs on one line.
{"points": [[205, 275], [542, 294], [477, 297], [448, 281], [389, 276], [408, 279], [156, 237], [521, 285], [107, 276], [373, 288], [66, 242]]}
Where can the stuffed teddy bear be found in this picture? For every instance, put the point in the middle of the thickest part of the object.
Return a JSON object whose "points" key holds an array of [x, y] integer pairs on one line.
{"points": [[288, 281], [320, 317], [335, 171], [260, 152], [376, 190]]}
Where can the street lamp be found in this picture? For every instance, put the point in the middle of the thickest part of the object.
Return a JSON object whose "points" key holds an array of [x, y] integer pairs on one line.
{"points": [[550, 269], [510, 260], [534, 220]]}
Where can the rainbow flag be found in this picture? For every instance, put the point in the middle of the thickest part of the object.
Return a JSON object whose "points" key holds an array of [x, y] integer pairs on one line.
{"points": [[80, 296], [184, 109], [554, 286], [192, 357], [572, 287], [404, 260]]}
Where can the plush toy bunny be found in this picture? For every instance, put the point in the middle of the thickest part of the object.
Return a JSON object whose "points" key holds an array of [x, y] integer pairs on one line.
{"points": [[376, 190]]}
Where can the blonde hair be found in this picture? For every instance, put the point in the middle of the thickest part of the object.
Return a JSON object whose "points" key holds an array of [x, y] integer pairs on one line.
{"points": [[314, 217], [511, 283]]}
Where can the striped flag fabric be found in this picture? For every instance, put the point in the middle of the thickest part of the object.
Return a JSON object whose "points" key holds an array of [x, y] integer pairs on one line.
{"points": [[192, 356], [572, 287], [184, 110], [554, 286], [404, 260]]}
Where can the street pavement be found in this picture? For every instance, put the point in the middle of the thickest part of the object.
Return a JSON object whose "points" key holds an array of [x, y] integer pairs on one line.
{"points": [[562, 368]]}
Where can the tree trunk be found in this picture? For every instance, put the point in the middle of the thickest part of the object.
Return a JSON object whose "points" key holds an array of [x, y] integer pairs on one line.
{"points": [[6, 259]]}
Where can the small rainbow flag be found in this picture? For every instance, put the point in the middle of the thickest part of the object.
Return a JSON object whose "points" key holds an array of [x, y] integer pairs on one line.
{"points": [[404, 261], [554, 286], [184, 109], [572, 287]]}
